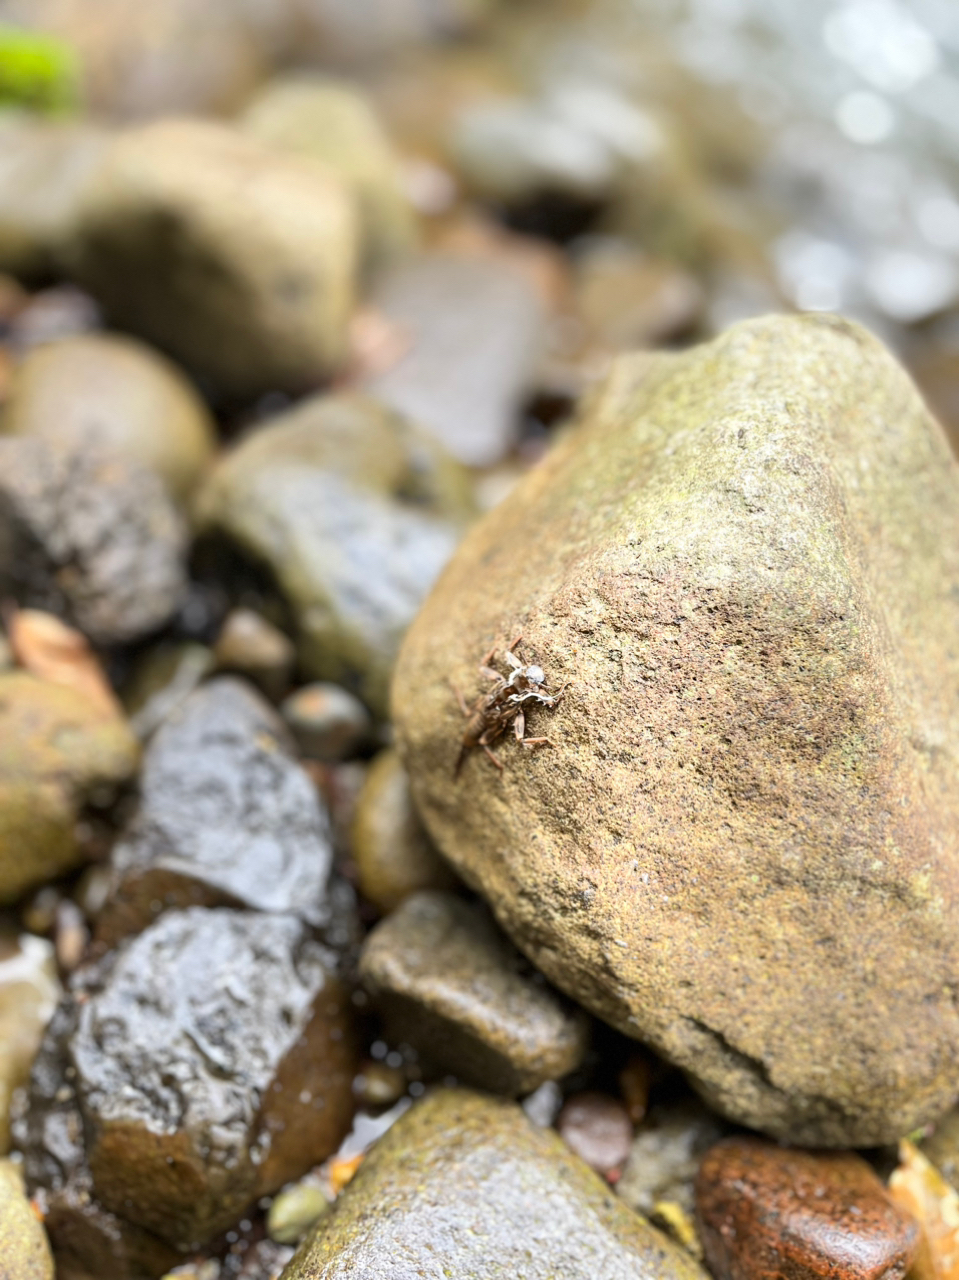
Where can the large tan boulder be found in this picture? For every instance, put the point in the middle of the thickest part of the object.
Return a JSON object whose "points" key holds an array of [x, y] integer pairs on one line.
{"points": [[238, 261], [743, 847]]}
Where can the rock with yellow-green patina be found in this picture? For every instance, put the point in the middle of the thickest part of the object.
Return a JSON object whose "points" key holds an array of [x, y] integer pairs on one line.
{"points": [[58, 750], [24, 1251], [464, 1185], [743, 846]]}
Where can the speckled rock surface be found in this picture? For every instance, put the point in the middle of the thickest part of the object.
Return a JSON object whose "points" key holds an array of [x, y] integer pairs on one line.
{"points": [[742, 848], [354, 512], [394, 856], [57, 751], [475, 327], [89, 535], [451, 985], [117, 394], [24, 1250], [763, 1211], [212, 1063], [236, 260], [331, 121], [227, 818], [463, 1185]]}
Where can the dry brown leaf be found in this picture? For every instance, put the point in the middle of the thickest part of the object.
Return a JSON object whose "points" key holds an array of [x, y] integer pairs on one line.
{"points": [[48, 648], [919, 1188]]}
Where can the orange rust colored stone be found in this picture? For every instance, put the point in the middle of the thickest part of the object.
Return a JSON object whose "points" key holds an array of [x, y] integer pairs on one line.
{"points": [[772, 1213]]}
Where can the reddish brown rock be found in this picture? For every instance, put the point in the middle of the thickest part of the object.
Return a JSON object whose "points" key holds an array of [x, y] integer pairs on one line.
{"points": [[768, 1211]]}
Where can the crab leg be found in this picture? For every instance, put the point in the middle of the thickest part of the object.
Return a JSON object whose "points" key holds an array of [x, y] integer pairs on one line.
{"points": [[460, 700]]}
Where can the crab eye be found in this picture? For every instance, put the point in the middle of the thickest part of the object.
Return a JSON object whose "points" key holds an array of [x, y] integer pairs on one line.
{"points": [[535, 675]]}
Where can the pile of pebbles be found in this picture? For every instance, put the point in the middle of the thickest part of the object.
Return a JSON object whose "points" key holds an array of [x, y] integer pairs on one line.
{"points": [[334, 405]]}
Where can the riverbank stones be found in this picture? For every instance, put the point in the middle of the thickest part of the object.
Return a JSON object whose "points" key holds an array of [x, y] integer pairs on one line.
{"points": [[59, 751], [24, 1250], [474, 329], [29, 991], [91, 536], [116, 394], [330, 121], [764, 1210], [393, 854], [210, 1061]]}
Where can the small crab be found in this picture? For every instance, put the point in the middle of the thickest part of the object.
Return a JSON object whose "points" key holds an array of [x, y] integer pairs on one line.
{"points": [[504, 704]]}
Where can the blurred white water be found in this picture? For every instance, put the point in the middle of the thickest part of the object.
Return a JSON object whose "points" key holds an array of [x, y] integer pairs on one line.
{"points": [[859, 100]]}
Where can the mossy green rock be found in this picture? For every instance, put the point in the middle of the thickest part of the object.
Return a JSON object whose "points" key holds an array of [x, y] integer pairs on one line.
{"points": [[24, 1251], [744, 846], [463, 1185], [353, 512], [57, 750]]}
